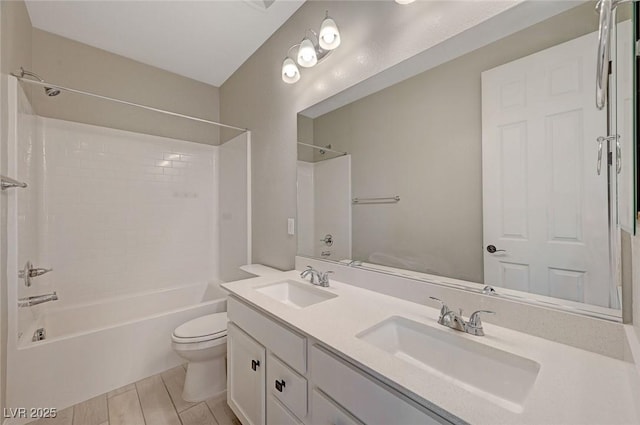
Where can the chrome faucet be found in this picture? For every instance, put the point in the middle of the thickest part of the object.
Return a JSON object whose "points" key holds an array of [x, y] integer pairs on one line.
{"points": [[354, 263], [474, 325], [322, 278], [455, 320], [37, 299]]}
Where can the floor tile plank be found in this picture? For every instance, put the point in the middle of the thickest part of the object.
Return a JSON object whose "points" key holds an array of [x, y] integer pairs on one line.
{"points": [[124, 409], [174, 381], [222, 412], [121, 390], [156, 403], [198, 415], [91, 412]]}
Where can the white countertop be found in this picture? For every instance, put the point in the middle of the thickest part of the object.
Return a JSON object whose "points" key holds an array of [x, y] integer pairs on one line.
{"points": [[573, 386]]}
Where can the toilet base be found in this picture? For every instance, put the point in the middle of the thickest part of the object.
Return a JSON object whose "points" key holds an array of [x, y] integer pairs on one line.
{"points": [[205, 380]]}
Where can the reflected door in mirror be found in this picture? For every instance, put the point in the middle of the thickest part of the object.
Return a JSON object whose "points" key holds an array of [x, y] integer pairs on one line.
{"points": [[543, 200]]}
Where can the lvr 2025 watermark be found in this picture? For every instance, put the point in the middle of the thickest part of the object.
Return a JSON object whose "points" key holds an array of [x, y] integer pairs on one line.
{"points": [[30, 413]]}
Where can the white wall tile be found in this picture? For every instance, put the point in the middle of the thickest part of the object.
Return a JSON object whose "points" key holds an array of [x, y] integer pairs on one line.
{"points": [[118, 214]]}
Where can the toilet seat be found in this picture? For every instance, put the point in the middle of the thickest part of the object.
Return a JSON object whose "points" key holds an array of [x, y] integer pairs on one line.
{"points": [[205, 328]]}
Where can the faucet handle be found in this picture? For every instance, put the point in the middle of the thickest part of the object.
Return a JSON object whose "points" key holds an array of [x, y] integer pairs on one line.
{"points": [[443, 307], [324, 278], [326, 274], [474, 325]]}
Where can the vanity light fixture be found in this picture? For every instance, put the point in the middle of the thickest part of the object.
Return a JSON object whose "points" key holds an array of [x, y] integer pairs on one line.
{"points": [[403, 2], [329, 34], [290, 72], [307, 56], [312, 50]]}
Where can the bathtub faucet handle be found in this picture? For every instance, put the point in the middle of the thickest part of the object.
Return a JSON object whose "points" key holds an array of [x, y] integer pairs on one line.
{"points": [[39, 271], [30, 272]]}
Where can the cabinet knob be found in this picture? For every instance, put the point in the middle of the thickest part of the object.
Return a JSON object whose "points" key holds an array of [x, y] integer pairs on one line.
{"points": [[255, 364], [279, 385]]}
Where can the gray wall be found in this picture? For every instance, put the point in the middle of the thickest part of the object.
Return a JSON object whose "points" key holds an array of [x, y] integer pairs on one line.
{"points": [[69, 63], [15, 50], [375, 36], [421, 139], [76, 65]]}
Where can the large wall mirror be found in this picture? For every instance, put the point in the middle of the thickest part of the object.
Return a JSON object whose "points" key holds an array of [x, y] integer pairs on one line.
{"points": [[492, 168]]}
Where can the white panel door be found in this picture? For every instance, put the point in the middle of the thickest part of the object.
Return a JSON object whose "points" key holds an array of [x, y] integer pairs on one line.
{"points": [[245, 376], [544, 203]]}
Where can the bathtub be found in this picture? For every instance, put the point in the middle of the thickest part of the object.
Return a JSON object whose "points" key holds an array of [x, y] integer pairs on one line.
{"points": [[96, 347]]}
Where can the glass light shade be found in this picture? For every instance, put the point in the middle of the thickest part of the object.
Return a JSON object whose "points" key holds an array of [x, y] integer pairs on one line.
{"points": [[404, 1], [290, 72], [307, 54], [329, 35]]}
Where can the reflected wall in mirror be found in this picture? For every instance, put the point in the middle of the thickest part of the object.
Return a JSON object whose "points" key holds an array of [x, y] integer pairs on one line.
{"points": [[483, 169]]}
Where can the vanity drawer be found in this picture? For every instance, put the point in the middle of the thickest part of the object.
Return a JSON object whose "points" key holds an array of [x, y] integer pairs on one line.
{"points": [[287, 386], [285, 343], [277, 414], [325, 411], [369, 400]]}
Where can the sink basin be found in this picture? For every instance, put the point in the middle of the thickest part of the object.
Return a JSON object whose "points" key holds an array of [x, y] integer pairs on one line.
{"points": [[496, 375], [295, 294]]}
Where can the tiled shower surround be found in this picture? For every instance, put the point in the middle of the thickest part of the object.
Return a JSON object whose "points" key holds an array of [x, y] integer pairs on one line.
{"points": [[122, 212]]}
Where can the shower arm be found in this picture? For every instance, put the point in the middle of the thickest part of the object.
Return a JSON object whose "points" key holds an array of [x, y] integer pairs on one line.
{"points": [[24, 72]]}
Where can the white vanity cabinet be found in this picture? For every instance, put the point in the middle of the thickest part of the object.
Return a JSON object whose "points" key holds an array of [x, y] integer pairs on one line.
{"points": [[278, 391], [361, 395], [293, 385], [324, 410], [245, 376]]}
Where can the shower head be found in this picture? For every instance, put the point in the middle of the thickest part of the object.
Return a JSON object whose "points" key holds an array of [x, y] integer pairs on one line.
{"points": [[50, 91]]}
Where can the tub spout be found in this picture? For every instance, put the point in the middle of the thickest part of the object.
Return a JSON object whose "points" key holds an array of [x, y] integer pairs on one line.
{"points": [[37, 299]]}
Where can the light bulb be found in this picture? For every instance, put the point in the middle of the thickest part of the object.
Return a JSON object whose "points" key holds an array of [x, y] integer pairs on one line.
{"points": [[307, 54], [329, 35], [290, 72]]}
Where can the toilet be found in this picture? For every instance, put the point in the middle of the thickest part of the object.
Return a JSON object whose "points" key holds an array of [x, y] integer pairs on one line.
{"points": [[203, 343]]}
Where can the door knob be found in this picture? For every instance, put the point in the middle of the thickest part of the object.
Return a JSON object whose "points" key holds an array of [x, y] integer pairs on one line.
{"points": [[491, 249]]}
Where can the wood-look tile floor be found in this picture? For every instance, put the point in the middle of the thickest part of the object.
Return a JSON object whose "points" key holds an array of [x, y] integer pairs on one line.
{"points": [[153, 401]]}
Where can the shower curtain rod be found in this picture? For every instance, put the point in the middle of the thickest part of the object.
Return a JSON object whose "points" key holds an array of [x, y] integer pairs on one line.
{"points": [[124, 102]]}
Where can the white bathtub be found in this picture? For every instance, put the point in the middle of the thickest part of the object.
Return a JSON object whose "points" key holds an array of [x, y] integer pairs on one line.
{"points": [[97, 347]]}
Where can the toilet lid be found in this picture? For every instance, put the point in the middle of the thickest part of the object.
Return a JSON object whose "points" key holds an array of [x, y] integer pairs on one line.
{"points": [[212, 325]]}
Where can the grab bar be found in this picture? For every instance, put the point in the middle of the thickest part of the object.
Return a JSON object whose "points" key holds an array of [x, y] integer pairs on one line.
{"points": [[8, 183], [387, 200]]}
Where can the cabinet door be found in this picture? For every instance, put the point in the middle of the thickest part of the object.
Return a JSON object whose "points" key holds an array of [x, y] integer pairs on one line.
{"points": [[368, 399], [325, 411], [287, 386], [245, 377], [277, 414]]}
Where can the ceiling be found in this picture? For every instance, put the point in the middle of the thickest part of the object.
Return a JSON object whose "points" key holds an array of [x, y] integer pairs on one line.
{"points": [[203, 40]]}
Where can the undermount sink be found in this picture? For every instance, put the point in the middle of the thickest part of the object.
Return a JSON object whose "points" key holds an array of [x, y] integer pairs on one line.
{"points": [[295, 294], [496, 375]]}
